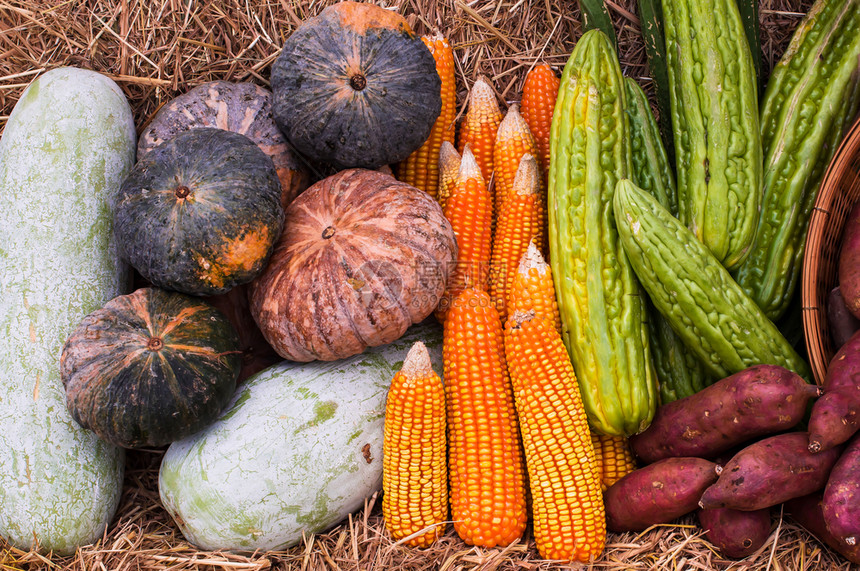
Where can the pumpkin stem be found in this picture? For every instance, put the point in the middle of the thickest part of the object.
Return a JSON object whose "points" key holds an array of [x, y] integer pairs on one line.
{"points": [[155, 344], [328, 232], [182, 191], [358, 82]]}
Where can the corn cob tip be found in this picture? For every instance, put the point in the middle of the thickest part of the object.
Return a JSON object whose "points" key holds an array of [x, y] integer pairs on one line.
{"points": [[448, 152], [469, 166], [417, 362], [527, 179], [519, 317], [532, 259]]}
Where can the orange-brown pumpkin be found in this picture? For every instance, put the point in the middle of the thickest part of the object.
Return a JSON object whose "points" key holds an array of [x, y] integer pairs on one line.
{"points": [[361, 258], [241, 107], [355, 87]]}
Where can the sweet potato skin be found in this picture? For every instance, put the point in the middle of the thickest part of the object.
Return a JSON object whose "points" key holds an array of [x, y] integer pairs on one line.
{"points": [[735, 533], [840, 321], [760, 400], [835, 417], [842, 497], [848, 266], [807, 511], [769, 472], [657, 493]]}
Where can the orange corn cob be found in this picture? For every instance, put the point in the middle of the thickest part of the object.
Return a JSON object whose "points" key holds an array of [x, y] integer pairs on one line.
{"points": [[421, 168], [567, 504], [481, 124], [414, 461], [519, 222], [513, 141], [540, 91], [469, 209], [532, 288], [486, 471], [449, 167], [612, 458]]}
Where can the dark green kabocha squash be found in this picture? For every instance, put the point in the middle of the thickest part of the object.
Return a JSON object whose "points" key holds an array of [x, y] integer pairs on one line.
{"points": [[200, 213], [355, 87], [150, 367]]}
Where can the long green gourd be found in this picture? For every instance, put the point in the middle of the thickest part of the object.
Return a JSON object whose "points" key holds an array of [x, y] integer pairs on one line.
{"points": [[810, 99], [694, 292], [714, 101], [680, 373], [601, 304], [68, 145]]}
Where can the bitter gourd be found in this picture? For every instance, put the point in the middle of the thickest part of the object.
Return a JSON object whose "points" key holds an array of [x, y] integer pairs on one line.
{"points": [[714, 101], [679, 371], [810, 98], [601, 304], [694, 292]]}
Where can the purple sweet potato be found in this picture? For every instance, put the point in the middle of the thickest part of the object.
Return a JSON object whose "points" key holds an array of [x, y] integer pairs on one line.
{"points": [[807, 512], [735, 533], [769, 472], [841, 502], [835, 417], [841, 322], [657, 493], [848, 265], [760, 400]]}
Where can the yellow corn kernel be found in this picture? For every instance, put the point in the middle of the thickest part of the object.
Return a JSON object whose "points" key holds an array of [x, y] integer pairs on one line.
{"points": [[519, 222], [532, 288], [567, 504], [421, 168], [540, 91], [513, 141], [486, 471], [449, 167], [480, 125], [414, 462], [615, 460]]}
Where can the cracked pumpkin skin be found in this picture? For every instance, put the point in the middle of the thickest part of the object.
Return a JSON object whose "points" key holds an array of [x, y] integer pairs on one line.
{"points": [[361, 258]]}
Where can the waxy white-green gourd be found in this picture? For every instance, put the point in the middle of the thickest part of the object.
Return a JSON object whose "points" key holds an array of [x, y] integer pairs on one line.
{"points": [[298, 449], [811, 98], [601, 305], [714, 101], [679, 371], [68, 145], [695, 293]]}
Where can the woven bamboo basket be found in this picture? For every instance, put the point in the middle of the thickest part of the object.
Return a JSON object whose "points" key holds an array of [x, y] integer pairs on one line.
{"points": [[840, 190]]}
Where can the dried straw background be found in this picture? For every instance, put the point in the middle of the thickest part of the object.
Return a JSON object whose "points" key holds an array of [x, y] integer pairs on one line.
{"points": [[158, 49]]}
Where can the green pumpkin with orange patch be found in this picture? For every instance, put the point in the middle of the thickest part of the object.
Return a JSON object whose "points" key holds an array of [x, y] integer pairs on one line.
{"points": [[150, 367], [200, 214]]}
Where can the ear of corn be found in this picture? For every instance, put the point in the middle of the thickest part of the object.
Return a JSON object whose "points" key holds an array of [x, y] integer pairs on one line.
{"points": [[513, 141], [532, 288], [612, 458], [421, 168], [449, 167], [415, 468], [540, 91], [486, 471], [480, 125], [567, 504], [469, 209], [519, 222]]}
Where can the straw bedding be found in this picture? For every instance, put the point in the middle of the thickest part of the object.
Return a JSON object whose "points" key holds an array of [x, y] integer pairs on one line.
{"points": [[158, 49]]}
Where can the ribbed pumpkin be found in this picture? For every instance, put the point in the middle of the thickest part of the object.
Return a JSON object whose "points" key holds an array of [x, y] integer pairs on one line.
{"points": [[355, 87], [200, 213], [150, 367], [362, 257], [241, 107]]}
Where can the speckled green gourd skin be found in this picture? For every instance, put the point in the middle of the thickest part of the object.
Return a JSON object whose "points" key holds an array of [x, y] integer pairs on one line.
{"points": [[298, 448], [68, 145], [706, 308], [811, 98], [679, 371], [714, 103], [603, 312]]}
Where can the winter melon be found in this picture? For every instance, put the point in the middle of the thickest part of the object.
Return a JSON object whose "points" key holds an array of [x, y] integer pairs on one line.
{"points": [[68, 145], [298, 448]]}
